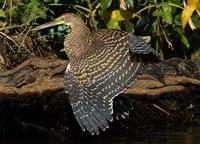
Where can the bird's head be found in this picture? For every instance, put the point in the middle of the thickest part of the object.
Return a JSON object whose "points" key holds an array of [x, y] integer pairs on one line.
{"points": [[75, 43], [69, 19]]}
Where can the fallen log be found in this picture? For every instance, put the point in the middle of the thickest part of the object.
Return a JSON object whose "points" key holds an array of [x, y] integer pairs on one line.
{"points": [[37, 76]]}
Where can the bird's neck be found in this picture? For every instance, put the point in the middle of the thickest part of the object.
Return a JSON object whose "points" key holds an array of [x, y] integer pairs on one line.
{"points": [[76, 43]]}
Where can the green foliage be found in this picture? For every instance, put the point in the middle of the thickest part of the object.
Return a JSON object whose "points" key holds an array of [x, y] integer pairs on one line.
{"points": [[2, 13], [166, 13], [159, 19], [21, 13], [105, 4], [31, 10]]}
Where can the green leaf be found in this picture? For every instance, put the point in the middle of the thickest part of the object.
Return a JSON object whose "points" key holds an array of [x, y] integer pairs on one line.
{"points": [[196, 20], [184, 39], [42, 14], [154, 27], [2, 13], [177, 19], [104, 5], [157, 13], [35, 9], [113, 24], [177, 2], [121, 15], [167, 12], [19, 3]]}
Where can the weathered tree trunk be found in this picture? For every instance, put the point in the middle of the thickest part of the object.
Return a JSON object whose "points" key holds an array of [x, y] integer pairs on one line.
{"points": [[37, 76]]}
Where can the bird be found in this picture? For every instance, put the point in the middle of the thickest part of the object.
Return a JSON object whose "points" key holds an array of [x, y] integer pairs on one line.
{"points": [[102, 64]]}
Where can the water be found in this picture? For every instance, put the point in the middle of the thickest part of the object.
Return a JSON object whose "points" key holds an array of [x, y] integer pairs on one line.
{"points": [[189, 135], [184, 135]]}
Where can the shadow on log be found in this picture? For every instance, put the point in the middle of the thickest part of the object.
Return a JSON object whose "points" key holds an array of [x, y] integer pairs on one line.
{"points": [[37, 76], [32, 98]]}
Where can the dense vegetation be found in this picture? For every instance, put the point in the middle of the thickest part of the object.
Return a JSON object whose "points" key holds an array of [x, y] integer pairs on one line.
{"points": [[161, 19]]}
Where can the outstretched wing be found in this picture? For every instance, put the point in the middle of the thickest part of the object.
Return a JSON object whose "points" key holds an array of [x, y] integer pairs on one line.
{"points": [[87, 113], [139, 46], [92, 104], [100, 76]]}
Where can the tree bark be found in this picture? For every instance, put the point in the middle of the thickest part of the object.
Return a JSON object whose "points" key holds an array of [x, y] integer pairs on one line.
{"points": [[37, 76]]}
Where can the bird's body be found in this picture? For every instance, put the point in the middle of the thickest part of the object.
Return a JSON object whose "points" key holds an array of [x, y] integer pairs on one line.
{"points": [[101, 57], [103, 64]]}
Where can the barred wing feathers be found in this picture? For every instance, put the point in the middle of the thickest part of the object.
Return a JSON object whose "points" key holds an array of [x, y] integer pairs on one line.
{"points": [[97, 77]]}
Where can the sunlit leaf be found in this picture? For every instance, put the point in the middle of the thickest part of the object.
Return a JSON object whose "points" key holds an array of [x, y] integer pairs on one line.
{"points": [[157, 13], [121, 15], [117, 15], [42, 14], [198, 10], [167, 12], [2, 13], [113, 24], [188, 11]]}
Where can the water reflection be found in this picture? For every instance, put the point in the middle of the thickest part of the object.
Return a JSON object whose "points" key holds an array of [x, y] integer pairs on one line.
{"points": [[150, 136], [187, 135]]}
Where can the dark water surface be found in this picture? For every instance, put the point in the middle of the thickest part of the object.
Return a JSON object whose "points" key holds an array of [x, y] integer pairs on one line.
{"points": [[189, 135]]}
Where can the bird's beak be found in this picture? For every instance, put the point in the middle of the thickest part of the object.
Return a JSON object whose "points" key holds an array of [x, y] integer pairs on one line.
{"points": [[58, 21]]}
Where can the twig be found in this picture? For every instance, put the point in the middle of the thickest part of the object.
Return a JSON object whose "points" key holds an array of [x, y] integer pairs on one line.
{"points": [[83, 8], [93, 16], [143, 9], [81, 12], [164, 111], [4, 4], [24, 41], [167, 40], [8, 37]]}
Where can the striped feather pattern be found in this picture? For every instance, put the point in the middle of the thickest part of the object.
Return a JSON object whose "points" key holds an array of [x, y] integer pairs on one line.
{"points": [[102, 65], [99, 75], [139, 46]]}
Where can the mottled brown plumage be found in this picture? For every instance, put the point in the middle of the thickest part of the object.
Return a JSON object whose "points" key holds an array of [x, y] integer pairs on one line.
{"points": [[103, 64]]}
